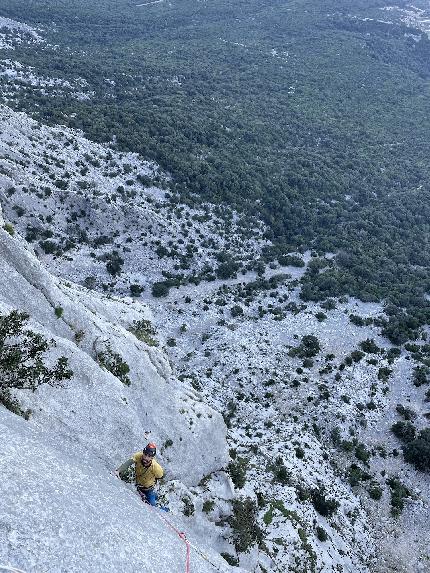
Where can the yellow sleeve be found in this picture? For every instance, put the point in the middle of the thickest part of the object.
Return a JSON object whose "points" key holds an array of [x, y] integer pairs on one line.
{"points": [[157, 470], [136, 457]]}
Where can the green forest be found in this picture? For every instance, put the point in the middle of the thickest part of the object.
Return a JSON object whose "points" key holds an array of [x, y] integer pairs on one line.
{"points": [[315, 116]]}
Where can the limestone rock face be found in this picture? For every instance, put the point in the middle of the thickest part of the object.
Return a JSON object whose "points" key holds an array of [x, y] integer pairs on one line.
{"points": [[94, 409], [61, 513]]}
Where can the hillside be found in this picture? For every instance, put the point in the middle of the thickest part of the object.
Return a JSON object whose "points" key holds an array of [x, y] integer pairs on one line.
{"points": [[314, 116], [239, 362], [294, 433], [62, 508]]}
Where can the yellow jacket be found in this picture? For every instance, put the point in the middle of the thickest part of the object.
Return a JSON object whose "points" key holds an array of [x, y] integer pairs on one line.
{"points": [[146, 476]]}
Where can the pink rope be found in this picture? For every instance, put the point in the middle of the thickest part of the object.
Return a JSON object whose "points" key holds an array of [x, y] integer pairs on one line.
{"points": [[180, 534]]}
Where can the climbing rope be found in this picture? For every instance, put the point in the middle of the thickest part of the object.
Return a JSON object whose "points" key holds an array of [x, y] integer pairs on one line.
{"points": [[10, 569], [180, 534], [189, 545], [205, 557]]}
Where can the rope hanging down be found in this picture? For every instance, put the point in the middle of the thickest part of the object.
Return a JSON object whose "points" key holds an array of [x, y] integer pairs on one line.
{"points": [[183, 537], [189, 545], [180, 534]]}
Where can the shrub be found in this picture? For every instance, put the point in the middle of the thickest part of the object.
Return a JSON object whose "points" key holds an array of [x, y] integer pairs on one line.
{"points": [[405, 431], [357, 320], [243, 522], [420, 375], [300, 453], [229, 412], [208, 506], [362, 453], [325, 506], [375, 491], [113, 362], [329, 304], [280, 472], [227, 270], [188, 506], [308, 347], [290, 261], [9, 228], [417, 451], [384, 373], [160, 289], [392, 354], [143, 330], [231, 559], [114, 263], [21, 360], [236, 311], [399, 492], [407, 413], [357, 355], [49, 247], [90, 282], [321, 534], [357, 475], [320, 316], [79, 335], [59, 311], [237, 470], [136, 290], [369, 346], [19, 210]]}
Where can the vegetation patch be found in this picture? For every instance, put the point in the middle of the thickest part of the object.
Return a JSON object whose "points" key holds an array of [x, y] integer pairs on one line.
{"points": [[243, 521], [399, 492], [22, 360], [417, 450], [144, 330], [114, 363]]}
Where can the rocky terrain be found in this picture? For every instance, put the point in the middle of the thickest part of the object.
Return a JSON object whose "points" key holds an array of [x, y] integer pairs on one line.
{"points": [[301, 472]]}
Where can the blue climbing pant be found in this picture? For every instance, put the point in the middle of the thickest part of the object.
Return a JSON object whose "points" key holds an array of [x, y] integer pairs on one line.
{"points": [[147, 495]]}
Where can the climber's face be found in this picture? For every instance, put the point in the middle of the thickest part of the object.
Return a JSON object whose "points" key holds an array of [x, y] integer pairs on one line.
{"points": [[146, 460]]}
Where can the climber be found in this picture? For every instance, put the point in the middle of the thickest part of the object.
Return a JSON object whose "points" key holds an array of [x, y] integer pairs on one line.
{"points": [[147, 472]]}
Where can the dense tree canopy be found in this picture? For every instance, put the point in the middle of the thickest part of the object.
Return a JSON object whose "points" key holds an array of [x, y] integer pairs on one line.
{"points": [[314, 114]]}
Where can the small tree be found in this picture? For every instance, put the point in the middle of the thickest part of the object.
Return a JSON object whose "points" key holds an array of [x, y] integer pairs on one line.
{"points": [[160, 289], [236, 310], [22, 360], [243, 522], [417, 451], [308, 347], [324, 505], [405, 431]]}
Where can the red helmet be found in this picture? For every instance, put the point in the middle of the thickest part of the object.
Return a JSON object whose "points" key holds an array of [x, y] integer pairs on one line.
{"points": [[150, 449]]}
